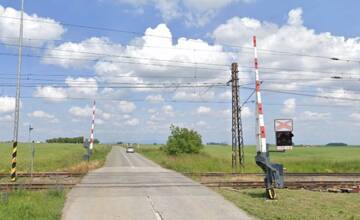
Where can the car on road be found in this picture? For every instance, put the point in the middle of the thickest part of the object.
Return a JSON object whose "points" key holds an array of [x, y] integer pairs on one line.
{"points": [[130, 149]]}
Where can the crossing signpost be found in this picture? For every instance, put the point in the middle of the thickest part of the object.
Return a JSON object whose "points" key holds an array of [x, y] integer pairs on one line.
{"points": [[283, 134]]}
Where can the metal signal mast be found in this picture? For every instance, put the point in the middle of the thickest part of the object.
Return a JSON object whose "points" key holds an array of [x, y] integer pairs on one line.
{"points": [[237, 132]]}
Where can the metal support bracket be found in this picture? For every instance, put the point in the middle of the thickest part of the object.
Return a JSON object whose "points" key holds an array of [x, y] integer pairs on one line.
{"points": [[274, 174]]}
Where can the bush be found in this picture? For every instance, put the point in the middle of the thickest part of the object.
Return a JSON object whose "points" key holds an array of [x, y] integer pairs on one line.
{"points": [[183, 140]]}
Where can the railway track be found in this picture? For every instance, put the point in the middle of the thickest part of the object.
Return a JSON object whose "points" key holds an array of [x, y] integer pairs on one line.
{"points": [[219, 174], [46, 174], [290, 185], [209, 174], [238, 184], [344, 183]]}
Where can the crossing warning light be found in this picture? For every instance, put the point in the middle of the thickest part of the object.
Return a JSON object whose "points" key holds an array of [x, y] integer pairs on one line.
{"points": [[283, 134]]}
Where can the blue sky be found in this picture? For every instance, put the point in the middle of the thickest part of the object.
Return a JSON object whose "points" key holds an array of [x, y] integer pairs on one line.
{"points": [[190, 32]]}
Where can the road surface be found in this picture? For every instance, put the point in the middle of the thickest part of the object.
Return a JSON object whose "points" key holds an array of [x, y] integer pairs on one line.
{"points": [[130, 187]]}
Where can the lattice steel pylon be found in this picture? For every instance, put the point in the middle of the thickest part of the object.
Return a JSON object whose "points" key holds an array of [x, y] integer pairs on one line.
{"points": [[237, 131]]}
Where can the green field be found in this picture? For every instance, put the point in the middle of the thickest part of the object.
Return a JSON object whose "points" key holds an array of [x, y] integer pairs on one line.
{"points": [[50, 157], [296, 204], [33, 205], [300, 159], [47, 204]]}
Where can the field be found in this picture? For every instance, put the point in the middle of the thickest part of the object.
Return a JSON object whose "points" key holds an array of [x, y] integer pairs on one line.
{"points": [[50, 157], [33, 205], [296, 204], [300, 159], [46, 204]]}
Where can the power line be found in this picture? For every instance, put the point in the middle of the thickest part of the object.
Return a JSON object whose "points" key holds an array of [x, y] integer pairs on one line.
{"points": [[114, 55], [174, 66], [274, 52], [113, 61]]}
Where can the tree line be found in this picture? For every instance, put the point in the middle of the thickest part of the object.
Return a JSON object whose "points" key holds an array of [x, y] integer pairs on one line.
{"points": [[69, 140]]}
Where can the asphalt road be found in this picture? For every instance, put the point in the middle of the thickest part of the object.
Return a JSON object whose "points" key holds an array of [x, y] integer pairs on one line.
{"points": [[132, 187]]}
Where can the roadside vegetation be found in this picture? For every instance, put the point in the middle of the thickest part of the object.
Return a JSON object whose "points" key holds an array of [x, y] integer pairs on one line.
{"points": [[296, 204], [183, 141], [32, 205], [52, 157], [300, 159]]}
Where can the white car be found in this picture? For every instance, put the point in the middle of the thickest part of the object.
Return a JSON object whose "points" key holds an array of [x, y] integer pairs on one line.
{"points": [[130, 150]]}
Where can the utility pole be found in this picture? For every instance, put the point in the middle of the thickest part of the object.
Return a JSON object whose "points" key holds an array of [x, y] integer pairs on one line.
{"points": [[17, 102], [237, 131], [92, 130], [32, 152]]}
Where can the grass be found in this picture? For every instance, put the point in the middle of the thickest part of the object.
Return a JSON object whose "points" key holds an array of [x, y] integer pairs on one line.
{"points": [[50, 157], [300, 159], [296, 204], [47, 204], [39, 205]]}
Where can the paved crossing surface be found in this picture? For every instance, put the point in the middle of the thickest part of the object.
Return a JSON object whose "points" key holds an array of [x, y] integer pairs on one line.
{"points": [[130, 187]]}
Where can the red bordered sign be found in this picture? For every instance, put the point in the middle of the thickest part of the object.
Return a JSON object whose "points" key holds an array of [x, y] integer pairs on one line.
{"points": [[283, 124]]}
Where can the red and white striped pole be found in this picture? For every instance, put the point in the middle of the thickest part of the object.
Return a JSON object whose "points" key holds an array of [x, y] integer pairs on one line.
{"points": [[92, 128], [260, 136]]}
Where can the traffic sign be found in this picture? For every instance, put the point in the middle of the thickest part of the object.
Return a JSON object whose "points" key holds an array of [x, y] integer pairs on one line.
{"points": [[283, 125]]}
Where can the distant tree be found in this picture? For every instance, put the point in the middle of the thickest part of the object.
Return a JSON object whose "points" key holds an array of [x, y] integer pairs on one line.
{"points": [[337, 144], [217, 143], [68, 140], [183, 140]]}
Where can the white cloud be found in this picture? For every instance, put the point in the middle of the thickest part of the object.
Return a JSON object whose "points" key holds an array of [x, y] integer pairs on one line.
{"points": [[79, 55], [193, 12], [203, 110], [35, 27], [149, 58], [201, 124], [82, 86], [80, 112], [295, 17], [43, 115], [292, 37], [7, 118], [289, 106], [87, 111], [355, 116], [76, 87], [225, 95], [126, 106], [7, 104], [168, 110], [337, 96], [314, 116], [193, 96], [154, 98], [132, 122], [245, 112], [51, 93]]}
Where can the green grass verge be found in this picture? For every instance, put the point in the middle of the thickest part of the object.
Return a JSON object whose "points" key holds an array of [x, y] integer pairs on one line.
{"points": [[49, 157], [296, 204], [300, 159], [29, 205]]}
